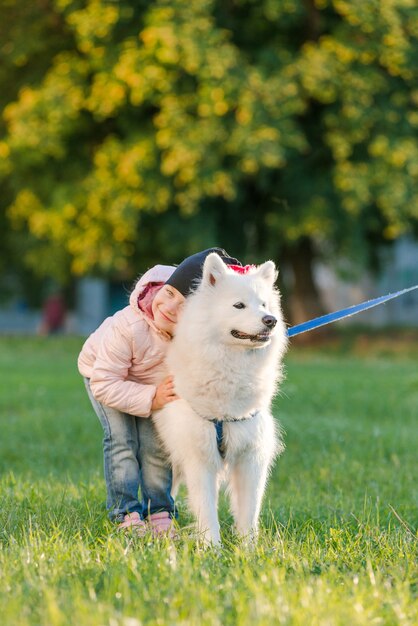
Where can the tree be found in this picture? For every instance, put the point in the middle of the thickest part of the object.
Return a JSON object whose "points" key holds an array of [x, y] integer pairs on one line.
{"points": [[30, 34], [274, 127]]}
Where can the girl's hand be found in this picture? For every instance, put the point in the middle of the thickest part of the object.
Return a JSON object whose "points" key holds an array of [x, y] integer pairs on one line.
{"points": [[164, 394]]}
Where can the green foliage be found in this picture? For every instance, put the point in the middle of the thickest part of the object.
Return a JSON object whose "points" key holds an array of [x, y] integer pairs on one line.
{"points": [[295, 119], [337, 544]]}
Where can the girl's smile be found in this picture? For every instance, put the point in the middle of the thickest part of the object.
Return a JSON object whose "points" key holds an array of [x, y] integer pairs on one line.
{"points": [[166, 306]]}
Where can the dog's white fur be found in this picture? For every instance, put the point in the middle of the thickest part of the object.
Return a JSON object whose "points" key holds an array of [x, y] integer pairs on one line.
{"points": [[219, 376]]}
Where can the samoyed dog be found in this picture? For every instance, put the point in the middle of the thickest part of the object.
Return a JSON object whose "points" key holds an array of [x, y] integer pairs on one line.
{"points": [[226, 361]]}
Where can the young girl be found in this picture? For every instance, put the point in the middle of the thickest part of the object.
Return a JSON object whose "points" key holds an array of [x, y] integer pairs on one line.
{"points": [[122, 363]]}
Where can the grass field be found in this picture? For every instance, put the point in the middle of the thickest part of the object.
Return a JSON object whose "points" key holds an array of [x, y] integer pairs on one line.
{"points": [[338, 538]]}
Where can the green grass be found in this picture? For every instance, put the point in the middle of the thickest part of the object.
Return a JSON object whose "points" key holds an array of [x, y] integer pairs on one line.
{"points": [[338, 539]]}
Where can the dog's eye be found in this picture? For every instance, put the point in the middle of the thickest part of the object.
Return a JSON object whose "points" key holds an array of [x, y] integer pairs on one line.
{"points": [[239, 305]]}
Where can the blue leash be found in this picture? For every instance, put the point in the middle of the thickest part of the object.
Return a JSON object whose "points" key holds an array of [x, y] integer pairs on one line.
{"points": [[339, 315]]}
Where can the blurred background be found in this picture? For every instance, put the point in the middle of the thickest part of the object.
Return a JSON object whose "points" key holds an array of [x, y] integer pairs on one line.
{"points": [[136, 132]]}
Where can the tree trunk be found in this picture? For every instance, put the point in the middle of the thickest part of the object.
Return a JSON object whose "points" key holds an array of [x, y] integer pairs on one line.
{"points": [[304, 302]]}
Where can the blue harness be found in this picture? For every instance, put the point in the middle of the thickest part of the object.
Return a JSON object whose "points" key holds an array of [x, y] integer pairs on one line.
{"points": [[219, 429]]}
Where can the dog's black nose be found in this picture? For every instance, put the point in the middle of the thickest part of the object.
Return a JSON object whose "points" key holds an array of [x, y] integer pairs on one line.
{"points": [[270, 321]]}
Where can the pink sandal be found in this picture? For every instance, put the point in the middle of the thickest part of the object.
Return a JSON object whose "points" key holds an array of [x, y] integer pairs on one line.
{"points": [[134, 523], [162, 524]]}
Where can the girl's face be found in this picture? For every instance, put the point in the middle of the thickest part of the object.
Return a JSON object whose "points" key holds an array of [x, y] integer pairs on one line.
{"points": [[166, 307]]}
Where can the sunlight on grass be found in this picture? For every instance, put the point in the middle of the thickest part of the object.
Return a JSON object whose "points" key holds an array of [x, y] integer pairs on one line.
{"points": [[338, 536]]}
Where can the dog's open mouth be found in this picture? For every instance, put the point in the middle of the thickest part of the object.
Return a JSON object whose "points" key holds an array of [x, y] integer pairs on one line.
{"points": [[263, 336]]}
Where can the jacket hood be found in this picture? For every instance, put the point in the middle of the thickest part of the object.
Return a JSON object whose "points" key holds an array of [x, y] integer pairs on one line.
{"points": [[157, 274]]}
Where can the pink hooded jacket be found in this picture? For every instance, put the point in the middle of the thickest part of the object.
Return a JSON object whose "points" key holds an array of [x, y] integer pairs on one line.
{"points": [[124, 357]]}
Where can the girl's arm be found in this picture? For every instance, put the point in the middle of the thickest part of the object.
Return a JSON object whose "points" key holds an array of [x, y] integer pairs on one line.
{"points": [[108, 380]]}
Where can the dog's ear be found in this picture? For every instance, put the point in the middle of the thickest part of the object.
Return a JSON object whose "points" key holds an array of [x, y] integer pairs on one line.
{"points": [[213, 269], [268, 272]]}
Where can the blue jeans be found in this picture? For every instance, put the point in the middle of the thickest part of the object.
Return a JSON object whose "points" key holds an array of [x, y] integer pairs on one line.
{"points": [[133, 460]]}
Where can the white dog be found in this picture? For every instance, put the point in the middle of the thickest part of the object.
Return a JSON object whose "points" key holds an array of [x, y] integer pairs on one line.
{"points": [[226, 361]]}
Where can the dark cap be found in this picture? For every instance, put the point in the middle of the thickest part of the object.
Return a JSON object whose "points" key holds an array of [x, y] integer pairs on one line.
{"points": [[186, 275]]}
